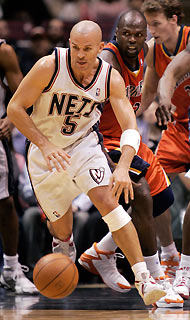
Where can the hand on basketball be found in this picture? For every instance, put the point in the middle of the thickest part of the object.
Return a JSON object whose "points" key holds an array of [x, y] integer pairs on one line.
{"points": [[120, 181], [55, 157]]}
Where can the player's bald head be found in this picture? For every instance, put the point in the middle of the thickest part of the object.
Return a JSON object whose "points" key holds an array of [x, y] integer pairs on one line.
{"points": [[87, 28], [132, 17]]}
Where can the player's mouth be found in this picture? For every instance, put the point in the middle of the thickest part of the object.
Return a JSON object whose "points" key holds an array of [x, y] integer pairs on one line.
{"points": [[81, 63], [132, 49]]}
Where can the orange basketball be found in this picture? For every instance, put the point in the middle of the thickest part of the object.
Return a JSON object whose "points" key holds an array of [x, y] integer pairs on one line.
{"points": [[55, 275]]}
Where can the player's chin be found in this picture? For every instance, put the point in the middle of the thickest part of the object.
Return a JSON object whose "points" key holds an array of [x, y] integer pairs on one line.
{"points": [[82, 65], [132, 54]]}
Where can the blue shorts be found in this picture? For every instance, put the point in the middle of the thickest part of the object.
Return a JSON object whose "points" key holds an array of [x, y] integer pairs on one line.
{"points": [[138, 166]]}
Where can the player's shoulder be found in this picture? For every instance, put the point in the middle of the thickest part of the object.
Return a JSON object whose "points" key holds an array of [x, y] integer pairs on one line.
{"points": [[110, 58], [5, 48], [46, 62], [116, 79], [7, 55]]}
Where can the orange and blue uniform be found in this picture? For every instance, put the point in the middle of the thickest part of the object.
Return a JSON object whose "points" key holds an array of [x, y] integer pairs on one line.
{"points": [[174, 149], [110, 128]]}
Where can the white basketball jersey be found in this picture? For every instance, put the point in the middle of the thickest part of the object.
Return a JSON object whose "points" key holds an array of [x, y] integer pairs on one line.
{"points": [[66, 110]]}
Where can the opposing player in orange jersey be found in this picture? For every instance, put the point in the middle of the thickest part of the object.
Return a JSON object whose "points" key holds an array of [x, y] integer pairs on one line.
{"points": [[169, 39], [126, 54], [178, 69]]}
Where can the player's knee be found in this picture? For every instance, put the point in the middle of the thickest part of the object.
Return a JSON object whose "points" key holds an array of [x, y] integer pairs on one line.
{"points": [[142, 205], [142, 190], [116, 219]]}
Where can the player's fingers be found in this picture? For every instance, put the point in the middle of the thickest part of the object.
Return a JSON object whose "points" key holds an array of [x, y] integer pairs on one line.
{"points": [[65, 156], [114, 189], [167, 113], [158, 117], [118, 192], [58, 161], [161, 117], [111, 183], [48, 164], [131, 191], [126, 193]]}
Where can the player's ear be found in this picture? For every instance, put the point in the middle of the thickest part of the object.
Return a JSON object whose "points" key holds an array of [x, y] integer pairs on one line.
{"points": [[101, 47], [174, 18]]}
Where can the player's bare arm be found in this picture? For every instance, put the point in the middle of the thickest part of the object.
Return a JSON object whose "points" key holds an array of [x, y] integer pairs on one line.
{"points": [[110, 58], [32, 86], [126, 117], [174, 71], [150, 83], [9, 64]]}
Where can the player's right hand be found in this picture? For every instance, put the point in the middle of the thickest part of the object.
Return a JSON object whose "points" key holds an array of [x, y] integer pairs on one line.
{"points": [[55, 157], [164, 113]]}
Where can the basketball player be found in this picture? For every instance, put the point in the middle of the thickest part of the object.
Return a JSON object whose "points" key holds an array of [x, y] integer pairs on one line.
{"points": [[175, 73], [126, 54], [64, 157], [169, 38], [12, 276]]}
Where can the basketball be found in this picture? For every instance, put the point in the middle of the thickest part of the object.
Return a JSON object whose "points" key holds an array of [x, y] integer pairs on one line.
{"points": [[55, 276]]}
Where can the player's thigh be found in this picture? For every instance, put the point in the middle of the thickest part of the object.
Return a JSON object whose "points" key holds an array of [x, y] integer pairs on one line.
{"points": [[94, 170], [103, 200], [54, 190]]}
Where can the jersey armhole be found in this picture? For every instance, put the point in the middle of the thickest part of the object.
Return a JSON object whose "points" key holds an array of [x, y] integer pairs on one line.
{"points": [[47, 88]]}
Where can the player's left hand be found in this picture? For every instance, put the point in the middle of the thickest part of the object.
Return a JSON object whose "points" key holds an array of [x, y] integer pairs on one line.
{"points": [[5, 128], [164, 113], [120, 181]]}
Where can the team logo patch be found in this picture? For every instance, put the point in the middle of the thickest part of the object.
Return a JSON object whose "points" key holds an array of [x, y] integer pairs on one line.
{"points": [[97, 174], [56, 214]]}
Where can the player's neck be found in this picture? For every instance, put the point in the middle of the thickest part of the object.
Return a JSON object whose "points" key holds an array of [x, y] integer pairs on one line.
{"points": [[132, 63], [171, 43], [85, 77]]}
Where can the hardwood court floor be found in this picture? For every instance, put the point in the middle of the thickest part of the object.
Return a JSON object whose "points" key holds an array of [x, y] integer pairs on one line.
{"points": [[86, 302]]}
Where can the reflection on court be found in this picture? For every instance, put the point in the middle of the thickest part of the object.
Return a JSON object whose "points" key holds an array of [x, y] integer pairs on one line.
{"points": [[86, 302]]}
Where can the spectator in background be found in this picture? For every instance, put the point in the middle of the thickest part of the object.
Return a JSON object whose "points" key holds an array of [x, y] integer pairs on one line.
{"points": [[40, 46], [4, 30], [56, 33]]}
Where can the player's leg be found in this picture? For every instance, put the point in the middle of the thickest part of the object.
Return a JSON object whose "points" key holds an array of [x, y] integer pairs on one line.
{"points": [[125, 236], [12, 276], [182, 279], [9, 226], [62, 233], [169, 254], [61, 190], [143, 220], [173, 154]]}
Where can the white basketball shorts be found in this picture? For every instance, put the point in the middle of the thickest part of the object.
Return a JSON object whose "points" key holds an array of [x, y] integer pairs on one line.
{"points": [[56, 190]]}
